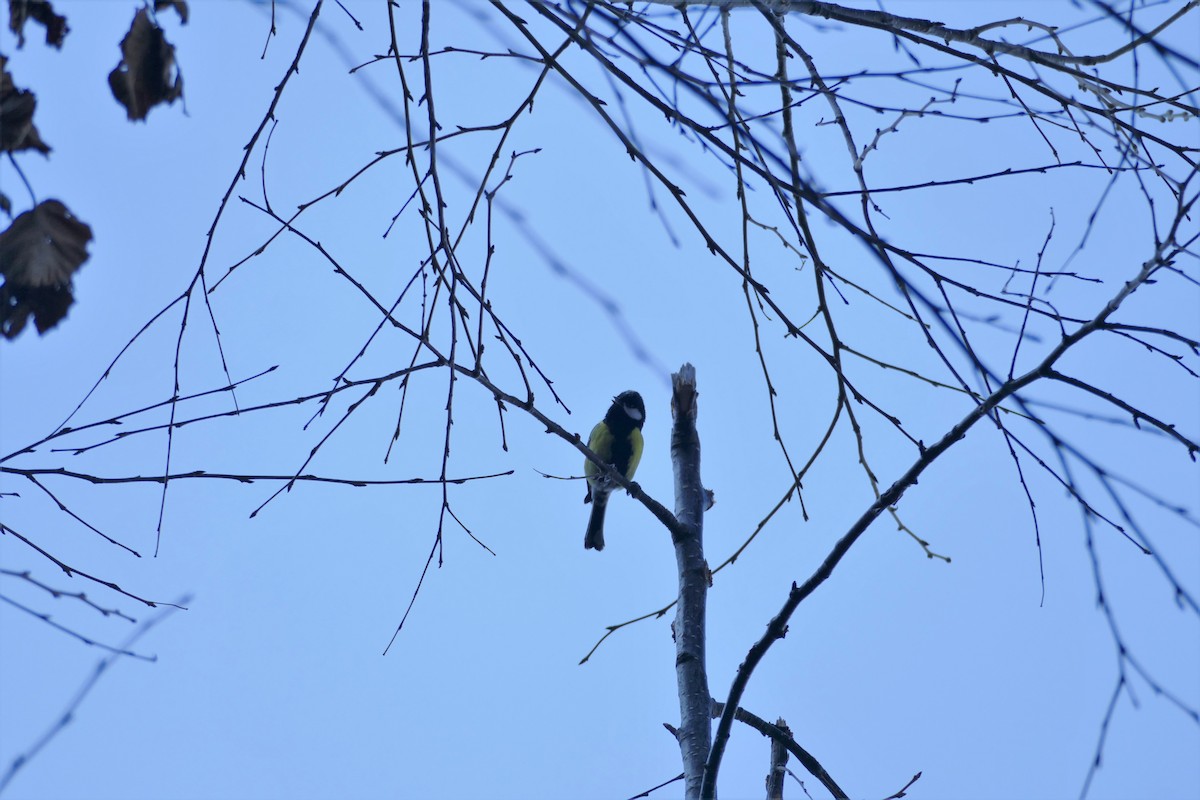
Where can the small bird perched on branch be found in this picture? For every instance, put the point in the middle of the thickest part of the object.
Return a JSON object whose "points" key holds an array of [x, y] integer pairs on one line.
{"points": [[617, 440]]}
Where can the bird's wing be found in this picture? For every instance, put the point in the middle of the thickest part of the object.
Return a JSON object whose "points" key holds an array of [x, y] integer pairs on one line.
{"points": [[599, 442]]}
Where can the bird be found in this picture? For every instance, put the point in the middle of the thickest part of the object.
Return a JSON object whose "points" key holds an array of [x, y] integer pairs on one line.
{"points": [[617, 440]]}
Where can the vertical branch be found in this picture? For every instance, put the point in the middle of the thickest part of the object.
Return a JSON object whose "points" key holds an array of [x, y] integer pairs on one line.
{"points": [[779, 758], [695, 702]]}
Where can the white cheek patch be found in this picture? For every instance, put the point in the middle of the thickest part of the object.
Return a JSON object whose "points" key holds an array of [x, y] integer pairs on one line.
{"points": [[633, 413]]}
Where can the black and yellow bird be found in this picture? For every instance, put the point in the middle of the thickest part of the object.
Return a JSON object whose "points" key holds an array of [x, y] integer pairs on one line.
{"points": [[617, 440]]}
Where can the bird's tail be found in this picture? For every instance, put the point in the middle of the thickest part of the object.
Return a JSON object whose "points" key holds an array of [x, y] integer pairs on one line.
{"points": [[594, 538]]}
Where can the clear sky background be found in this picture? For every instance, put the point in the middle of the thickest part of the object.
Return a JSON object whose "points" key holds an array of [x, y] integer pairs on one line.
{"points": [[272, 683]]}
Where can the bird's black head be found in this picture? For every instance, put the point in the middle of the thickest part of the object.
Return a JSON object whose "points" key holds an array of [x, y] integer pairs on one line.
{"points": [[626, 412]]}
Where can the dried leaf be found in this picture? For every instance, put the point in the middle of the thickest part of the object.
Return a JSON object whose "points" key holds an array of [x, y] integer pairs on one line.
{"points": [[39, 254], [39, 11], [147, 74], [17, 131]]}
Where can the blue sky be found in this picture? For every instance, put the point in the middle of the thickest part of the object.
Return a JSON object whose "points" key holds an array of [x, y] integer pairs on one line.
{"points": [[272, 683]]}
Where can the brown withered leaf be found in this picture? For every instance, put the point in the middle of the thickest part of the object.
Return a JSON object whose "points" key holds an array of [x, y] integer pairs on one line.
{"points": [[39, 254], [17, 131], [147, 74], [39, 11]]}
